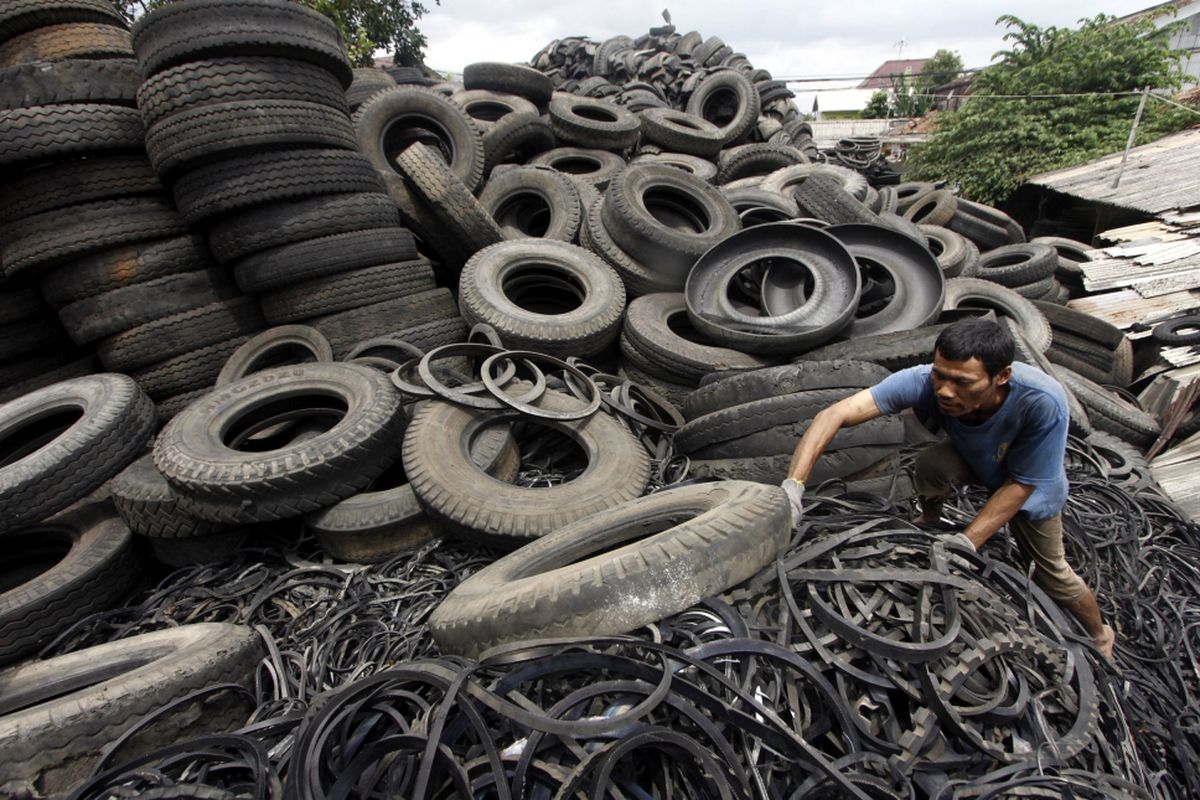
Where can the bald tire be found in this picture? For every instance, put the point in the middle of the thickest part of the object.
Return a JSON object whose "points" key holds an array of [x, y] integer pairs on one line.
{"points": [[602, 575], [516, 138], [514, 196], [743, 387], [98, 568], [480, 508], [894, 351], [673, 393], [736, 422], [1079, 422], [774, 469], [47, 473], [54, 739], [647, 327], [781, 439], [517, 79], [122, 309], [376, 524], [639, 278], [978, 293]]}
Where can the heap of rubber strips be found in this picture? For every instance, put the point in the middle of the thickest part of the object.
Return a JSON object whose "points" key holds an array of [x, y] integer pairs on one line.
{"points": [[872, 660]]}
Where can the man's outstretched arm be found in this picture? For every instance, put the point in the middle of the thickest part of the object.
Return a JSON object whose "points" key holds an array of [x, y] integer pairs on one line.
{"points": [[848, 412], [1002, 506]]}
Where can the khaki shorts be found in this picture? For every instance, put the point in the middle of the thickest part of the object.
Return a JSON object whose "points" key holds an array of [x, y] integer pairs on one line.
{"points": [[1041, 541]]}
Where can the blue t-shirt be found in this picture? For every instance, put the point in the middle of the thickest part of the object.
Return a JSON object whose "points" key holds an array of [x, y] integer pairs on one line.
{"points": [[1024, 440]]}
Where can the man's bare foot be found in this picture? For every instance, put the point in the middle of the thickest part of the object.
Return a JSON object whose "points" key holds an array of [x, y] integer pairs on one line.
{"points": [[1105, 641]]}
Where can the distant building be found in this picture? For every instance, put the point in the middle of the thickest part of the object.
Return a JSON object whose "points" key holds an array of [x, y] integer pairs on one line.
{"points": [[1186, 39], [888, 71]]}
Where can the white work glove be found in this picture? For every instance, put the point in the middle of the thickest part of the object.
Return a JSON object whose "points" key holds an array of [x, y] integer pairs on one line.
{"points": [[794, 490], [957, 541]]}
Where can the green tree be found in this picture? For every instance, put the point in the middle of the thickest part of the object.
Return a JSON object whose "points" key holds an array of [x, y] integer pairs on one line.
{"points": [[879, 106], [1006, 132], [943, 67], [366, 25]]}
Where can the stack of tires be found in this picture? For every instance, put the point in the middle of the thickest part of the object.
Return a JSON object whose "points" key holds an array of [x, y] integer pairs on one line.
{"points": [[64, 558], [653, 243], [686, 72], [432, 155], [746, 426], [661, 349], [246, 120], [1028, 269], [87, 216]]}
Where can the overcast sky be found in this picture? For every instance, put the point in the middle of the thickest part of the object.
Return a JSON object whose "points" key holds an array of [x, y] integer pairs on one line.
{"points": [[791, 39]]}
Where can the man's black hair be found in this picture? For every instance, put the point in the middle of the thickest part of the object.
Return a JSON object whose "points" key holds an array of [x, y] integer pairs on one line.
{"points": [[977, 338]]}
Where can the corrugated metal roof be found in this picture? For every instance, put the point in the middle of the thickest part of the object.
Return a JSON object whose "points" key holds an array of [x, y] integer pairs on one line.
{"points": [[1160, 176], [1153, 258], [1178, 480], [1126, 308]]}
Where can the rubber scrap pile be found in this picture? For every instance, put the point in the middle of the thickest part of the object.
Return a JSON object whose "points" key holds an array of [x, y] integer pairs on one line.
{"points": [[401, 375]]}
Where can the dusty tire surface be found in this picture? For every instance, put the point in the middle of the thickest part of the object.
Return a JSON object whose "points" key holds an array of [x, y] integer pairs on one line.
{"points": [[481, 508], [616, 570], [543, 295], [54, 740], [84, 562], [62, 441], [218, 482]]}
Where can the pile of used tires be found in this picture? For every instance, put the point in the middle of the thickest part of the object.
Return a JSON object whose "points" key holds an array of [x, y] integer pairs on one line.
{"points": [[372, 311]]}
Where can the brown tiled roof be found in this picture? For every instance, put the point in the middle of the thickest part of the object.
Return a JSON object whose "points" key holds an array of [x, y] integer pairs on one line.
{"points": [[882, 77]]}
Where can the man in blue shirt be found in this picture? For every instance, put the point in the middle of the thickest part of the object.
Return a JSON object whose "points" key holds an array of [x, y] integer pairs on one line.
{"points": [[1006, 428]]}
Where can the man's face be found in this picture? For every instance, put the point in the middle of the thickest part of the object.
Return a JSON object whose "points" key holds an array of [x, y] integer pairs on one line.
{"points": [[964, 387]]}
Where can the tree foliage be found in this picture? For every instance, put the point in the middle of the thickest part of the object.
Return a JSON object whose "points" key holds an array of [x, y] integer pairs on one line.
{"points": [[366, 25], [1005, 133], [911, 95], [943, 67], [879, 106]]}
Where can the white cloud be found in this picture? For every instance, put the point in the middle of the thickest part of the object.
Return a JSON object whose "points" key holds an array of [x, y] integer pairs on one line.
{"points": [[788, 38]]}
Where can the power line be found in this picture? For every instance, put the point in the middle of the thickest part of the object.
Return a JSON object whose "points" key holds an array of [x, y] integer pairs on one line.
{"points": [[889, 75], [1169, 101]]}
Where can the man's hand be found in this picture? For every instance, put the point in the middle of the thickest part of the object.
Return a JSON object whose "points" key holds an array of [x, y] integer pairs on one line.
{"points": [[794, 490]]}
